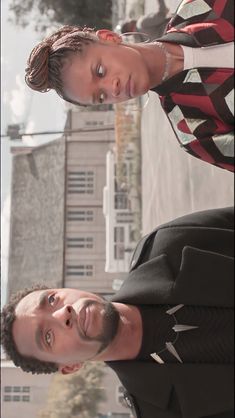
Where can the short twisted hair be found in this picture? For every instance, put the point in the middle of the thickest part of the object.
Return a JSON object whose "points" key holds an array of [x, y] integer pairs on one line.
{"points": [[27, 364], [46, 60]]}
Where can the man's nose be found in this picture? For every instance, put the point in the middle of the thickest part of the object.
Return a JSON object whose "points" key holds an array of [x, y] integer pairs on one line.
{"points": [[64, 315], [115, 87]]}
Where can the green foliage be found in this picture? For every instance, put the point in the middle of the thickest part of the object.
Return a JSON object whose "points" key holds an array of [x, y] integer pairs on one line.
{"points": [[76, 395], [92, 13]]}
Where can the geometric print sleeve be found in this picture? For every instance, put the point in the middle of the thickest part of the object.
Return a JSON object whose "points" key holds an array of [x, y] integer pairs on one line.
{"points": [[199, 102], [201, 112]]}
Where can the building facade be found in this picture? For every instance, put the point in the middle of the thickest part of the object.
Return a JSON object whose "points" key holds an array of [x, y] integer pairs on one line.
{"points": [[84, 220], [57, 224], [57, 236], [22, 394], [25, 395], [120, 212]]}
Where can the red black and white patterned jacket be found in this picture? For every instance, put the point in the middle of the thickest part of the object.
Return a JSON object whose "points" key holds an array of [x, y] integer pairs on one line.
{"points": [[199, 101]]}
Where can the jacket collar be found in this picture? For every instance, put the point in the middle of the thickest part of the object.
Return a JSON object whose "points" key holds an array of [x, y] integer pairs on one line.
{"points": [[150, 283], [197, 283]]}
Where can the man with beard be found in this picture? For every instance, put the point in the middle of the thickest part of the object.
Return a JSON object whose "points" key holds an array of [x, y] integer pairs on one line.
{"points": [[167, 333]]}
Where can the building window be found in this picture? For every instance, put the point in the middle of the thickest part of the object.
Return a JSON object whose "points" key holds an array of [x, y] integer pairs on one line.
{"points": [[81, 242], [120, 168], [120, 201], [81, 182], [79, 270], [119, 249], [80, 215], [118, 234], [119, 252], [94, 122], [17, 398], [125, 217]]}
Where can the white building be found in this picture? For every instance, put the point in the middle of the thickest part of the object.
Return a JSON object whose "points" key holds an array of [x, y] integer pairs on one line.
{"points": [[24, 394], [120, 211], [58, 237]]}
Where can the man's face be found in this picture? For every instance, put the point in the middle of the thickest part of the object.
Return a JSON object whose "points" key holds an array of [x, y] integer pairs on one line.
{"points": [[64, 326], [105, 72]]}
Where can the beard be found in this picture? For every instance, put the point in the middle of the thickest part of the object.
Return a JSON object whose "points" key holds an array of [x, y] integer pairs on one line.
{"points": [[109, 327]]}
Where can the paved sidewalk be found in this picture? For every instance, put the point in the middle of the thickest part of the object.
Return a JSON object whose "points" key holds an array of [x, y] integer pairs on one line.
{"points": [[174, 183]]}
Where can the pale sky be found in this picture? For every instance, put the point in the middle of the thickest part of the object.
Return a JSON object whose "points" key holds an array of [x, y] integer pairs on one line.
{"points": [[38, 111]]}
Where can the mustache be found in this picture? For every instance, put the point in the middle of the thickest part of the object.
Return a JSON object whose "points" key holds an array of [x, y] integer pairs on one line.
{"points": [[110, 323]]}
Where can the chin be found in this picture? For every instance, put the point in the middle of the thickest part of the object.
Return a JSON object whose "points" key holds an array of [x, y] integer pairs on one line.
{"points": [[140, 92]]}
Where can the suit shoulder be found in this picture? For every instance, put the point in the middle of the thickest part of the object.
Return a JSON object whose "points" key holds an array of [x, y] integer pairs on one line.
{"points": [[140, 249], [214, 218]]}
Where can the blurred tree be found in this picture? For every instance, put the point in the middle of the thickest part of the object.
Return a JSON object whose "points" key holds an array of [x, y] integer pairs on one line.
{"points": [[76, 395], [91, 13]]}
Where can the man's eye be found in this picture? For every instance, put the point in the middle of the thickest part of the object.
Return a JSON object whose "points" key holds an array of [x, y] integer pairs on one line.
{"points": [[100, 71], [101, 98], [51, 300], [48, 338]]}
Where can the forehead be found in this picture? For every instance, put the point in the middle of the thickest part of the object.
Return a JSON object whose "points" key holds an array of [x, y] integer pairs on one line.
{"points": [[30, 301], [79, 71], [76, 77]]}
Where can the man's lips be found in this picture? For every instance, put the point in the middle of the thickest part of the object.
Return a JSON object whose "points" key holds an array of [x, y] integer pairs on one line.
{"points": [[84, 319], [128, 87], [87, 320]]}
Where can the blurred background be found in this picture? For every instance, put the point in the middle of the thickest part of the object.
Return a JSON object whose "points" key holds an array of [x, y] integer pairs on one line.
{"points": [[79, 187]]}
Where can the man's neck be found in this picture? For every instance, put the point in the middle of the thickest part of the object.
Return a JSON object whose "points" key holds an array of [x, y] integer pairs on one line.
{"points": [[127, 343]]}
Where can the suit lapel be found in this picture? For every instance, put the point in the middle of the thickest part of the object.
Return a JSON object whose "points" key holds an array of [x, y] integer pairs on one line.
{"points": [[150, 283], [205, 278], [198, 281], [210, 389]]}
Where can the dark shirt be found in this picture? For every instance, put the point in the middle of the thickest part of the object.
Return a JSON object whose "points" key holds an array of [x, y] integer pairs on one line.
{"points": [[211, 342]]}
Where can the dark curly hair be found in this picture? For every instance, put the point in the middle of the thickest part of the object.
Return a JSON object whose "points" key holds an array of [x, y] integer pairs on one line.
{"points": [[27, 364], [46, 61]]}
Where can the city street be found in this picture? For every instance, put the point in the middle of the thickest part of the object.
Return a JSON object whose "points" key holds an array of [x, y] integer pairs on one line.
{"points": [[173, 182]]}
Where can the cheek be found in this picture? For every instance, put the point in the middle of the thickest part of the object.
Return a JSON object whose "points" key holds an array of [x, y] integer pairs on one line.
{"points": [[135, 60], [67, 343]]}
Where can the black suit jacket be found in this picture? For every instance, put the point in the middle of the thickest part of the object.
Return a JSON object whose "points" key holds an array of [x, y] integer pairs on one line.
{"points": [[191, 261]]}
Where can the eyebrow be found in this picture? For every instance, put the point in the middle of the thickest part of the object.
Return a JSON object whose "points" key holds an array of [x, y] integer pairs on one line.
{"points": [[38, 335], [39, 338], [93, 73], [43, 300]]}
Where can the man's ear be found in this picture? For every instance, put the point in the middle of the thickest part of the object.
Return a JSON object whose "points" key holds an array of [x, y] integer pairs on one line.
{"points": [[108, 35], [70, 369]]}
